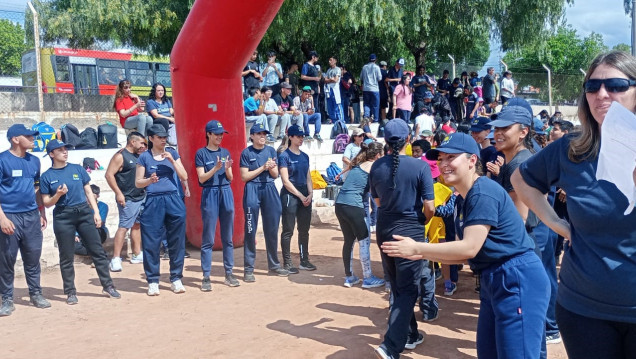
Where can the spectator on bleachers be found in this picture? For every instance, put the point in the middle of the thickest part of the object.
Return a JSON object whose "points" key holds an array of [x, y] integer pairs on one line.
{"points": [[293, 78], [251, 76], [254, 107], [285, 102], [159, 106], [272, 73], [305, 108], [128, 106], [275, 114]]}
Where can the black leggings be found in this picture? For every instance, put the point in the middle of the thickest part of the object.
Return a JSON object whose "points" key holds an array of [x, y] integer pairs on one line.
{"points": [[294, 210], [586, 337], [353, 227]]}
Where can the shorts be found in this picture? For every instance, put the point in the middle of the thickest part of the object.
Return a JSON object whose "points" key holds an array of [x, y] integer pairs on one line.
{"points": [[129, 215], [384, 102]]}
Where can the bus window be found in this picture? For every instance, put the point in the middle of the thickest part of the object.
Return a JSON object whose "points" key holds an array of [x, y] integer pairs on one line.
{"points": [[62, 69], [163, 74], [140, 73], [110, 72]]}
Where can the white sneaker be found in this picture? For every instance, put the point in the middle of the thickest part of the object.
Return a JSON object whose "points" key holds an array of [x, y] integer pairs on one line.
{"points": [[372, 229], [115, 264], [136, 259], [177, 286], [153, 289]]}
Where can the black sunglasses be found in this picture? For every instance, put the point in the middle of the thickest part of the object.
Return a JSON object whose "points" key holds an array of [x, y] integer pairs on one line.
{"points": [[611, 85]]}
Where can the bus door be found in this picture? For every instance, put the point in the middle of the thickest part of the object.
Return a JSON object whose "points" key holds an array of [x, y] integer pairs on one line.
{"points": [[84, 75]]}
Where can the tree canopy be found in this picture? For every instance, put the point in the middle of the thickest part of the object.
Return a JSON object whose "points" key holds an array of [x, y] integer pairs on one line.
{"points": [[421, 31], [12, 46]]}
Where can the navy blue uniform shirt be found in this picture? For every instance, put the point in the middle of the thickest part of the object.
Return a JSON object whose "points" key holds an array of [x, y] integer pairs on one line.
{"points": [[251, 158], [18, 179], [488, 203], [164, 170], [207, 158], [297, 166], [74, 176], [598, 272]]}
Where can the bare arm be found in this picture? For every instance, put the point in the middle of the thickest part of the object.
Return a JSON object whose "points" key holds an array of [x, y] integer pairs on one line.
{"points": [[247, 175], [429, 210], [38, 201], [50, 201], [521, 207], [140, 181], [284, 176], [155, 114], [181, 172], [115, 166]]}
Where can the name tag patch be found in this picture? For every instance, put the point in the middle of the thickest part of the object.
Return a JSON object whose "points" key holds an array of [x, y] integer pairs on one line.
{"points": [[16, 173]]}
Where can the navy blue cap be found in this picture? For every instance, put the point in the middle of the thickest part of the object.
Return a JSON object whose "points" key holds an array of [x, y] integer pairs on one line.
{"points": [[455, 143], [396, 129], [258, 127], [428, 94], [480, 123], [20, 130], [511, 115], [537, 124], [215, 127], [157, 130], [295, 130], [55, 144], [372, 57], [518, 101]]}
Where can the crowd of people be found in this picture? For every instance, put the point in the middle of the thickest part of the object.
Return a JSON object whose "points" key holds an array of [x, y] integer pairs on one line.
{"points": [[496, 191]]}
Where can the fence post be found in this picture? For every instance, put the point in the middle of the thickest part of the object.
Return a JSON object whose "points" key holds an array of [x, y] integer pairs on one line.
{"points": [[38, 65], [453, 61], [549, 87], [505, 65]]}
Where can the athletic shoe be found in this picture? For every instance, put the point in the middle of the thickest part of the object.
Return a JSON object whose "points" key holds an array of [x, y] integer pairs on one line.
{"points": [[177, 286], [71, 299], [318, 138], [206, 284], [165, 256], [308, 138], [381, 353], [553, 339], [411, 344], [111, 292], [153, 289], [306, 265], [7, 307], [115, 264], [231, 281], [351, 281], [39, 302], [372, 229], [279, 272], [450, 288], [372, 282], [428, 319], [137, 259], [249, 277], [291, 269], [271, 139], [438, 274], [186, 254]]}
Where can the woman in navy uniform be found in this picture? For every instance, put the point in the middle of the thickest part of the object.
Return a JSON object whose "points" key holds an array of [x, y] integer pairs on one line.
{"points": [[67, 187], [157, 170], [259, 169], [514, 285], [402, 187], [295, 198], [214, 169]]}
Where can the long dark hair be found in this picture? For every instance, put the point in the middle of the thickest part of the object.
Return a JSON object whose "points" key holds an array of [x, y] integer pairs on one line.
{"points": [[153, 92], [396, 146], [367, 153]]}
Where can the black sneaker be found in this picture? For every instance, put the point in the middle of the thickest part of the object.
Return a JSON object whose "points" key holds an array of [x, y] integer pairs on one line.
{"points": [[186, 254], [39, 302], [306, 265], [165, 256], [291, 269], [111, 292], [248, 277], [231, 281], [206, 284], [411, 344], [279, 272], [7, 307], [71, 299]]}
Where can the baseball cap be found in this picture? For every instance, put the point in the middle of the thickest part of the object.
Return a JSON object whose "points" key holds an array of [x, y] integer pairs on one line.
{"points": [[215, 127], [259, 127], [537, 124], [428, 94], [20, 130], [479, 124], [401, 61], [294, 130], [426, 133], [455, 143], [480, 99], [157, 130], [511, 115], [518, 101], [383, 63], [372, 57], [285, 85], [357, 132], [55, 144], [306, 89], [396, 129]]}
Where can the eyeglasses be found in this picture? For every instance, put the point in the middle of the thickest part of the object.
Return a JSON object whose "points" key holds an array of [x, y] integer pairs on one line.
{"points": [[611, 85]]}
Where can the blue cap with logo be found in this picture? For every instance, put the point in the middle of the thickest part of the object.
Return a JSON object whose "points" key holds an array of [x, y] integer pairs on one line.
{"points": [[396, 129], [511, 115], [518, 101], [295, 130], [215, 127], [258, 127], [455, 143], [55, 144], [20, 130], [479, 124]]}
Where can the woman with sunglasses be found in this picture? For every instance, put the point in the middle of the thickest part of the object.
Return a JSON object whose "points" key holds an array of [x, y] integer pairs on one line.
{"points": [[596, 303], [67, 187], [130, 109], [295, 197], [514, 286]]}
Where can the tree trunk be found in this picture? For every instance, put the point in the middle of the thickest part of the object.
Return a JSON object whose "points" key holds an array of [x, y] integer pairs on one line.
{"points": [[419, 53]]}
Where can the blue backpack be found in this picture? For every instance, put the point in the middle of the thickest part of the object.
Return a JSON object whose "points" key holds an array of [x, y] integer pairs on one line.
{"points": [[332, 171], [47, 133], [340, 143]]}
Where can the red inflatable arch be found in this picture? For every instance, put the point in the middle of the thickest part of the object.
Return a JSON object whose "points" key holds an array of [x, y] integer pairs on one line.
{"points": [[211, 50]]}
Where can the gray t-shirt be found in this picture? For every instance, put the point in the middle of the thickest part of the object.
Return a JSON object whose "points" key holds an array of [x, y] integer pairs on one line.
{"points": [[332, 73], [370, 76]]}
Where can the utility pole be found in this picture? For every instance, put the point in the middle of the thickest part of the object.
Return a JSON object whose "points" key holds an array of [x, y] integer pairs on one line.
{"points": [[453, 61], [38, 65], [549, 86]]}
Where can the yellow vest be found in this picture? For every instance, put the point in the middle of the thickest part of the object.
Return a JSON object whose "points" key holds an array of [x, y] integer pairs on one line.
{"points": [[435, 229]]}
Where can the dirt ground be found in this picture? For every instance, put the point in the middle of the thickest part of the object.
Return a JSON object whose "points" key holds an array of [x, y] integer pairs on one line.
{"points": [[309, 315]]}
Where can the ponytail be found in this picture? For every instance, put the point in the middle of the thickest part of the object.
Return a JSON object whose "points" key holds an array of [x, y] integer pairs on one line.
{"points": [[395, 152]]}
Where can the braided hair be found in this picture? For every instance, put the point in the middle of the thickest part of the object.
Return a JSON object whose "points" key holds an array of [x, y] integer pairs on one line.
{"points": [[396, 146]]}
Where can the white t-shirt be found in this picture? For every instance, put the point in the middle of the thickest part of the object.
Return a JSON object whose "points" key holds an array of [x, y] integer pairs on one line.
{"points": [[333, 73], [426, 122], [507, 87], [271, 105]]}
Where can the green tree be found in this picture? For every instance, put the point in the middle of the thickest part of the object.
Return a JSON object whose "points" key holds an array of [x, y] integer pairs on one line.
{"points": [[12, 46], [623, 47]]}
